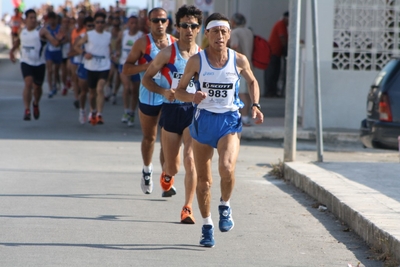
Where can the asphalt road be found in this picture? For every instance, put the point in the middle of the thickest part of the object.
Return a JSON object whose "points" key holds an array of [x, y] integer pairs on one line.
{"points": [[70, 196]]}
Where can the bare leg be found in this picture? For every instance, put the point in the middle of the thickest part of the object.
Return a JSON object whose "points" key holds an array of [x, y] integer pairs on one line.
{"points": [[100, 95], [27, 94], [202, 157], [149, 130], [228, 150]]}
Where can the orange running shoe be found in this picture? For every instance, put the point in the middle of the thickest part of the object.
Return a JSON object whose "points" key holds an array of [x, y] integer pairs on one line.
{"points": [[186, 215], [93, 118], [166, 182]]}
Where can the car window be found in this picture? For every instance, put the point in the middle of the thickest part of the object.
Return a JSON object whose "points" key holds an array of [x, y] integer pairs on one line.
{"points": [[383, 73]]}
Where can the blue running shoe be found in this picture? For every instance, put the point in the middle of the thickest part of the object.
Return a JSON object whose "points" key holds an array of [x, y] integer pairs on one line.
{"points": [[225, 218], [207, 236]]}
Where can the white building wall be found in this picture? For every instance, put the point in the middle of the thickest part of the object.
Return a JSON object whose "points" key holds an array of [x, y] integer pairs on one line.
{"points": [[343, 92]]}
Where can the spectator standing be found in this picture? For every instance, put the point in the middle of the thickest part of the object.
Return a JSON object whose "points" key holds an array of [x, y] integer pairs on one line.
{"points": [[278, 41], [242, 39]]}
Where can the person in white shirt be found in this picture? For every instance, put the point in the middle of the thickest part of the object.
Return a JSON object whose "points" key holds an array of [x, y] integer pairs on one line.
{"points": [[97, 62], [31, 42], [130, 83], [216, 121]]}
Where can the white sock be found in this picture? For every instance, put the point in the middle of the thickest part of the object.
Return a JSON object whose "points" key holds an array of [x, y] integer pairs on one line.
{"points": [[225, 203], [148, 169], [127, 111], [208, 221]]}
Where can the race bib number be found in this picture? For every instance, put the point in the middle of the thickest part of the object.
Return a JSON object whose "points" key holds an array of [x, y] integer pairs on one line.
{"points": [[221, 93], [99, 61], [175, 81], [29, 52]]}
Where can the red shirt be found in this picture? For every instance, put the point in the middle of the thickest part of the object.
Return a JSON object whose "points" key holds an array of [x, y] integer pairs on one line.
{"points": [[16, 23], [278, 30]]}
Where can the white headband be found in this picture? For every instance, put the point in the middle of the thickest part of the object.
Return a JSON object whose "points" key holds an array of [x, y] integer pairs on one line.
{"points": [[215, 23]]}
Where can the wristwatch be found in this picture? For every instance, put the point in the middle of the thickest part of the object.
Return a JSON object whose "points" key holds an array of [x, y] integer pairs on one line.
{"points": [[256, 105]]}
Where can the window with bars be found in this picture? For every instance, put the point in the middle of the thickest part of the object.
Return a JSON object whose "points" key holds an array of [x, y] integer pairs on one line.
{"points": [[366, 34]]}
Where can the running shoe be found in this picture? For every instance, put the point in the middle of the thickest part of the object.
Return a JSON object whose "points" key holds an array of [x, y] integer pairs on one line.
{"points": [[147, 182], [36, 111], [125, 118], [93, 119], [64, 91], [225, 218], [82, 116], [170, 192], [166, 182], [186, 215], [246, 122], [27, 115], [207, 236], [99, 119], [53, 91], [76, 104], [131, 120]]}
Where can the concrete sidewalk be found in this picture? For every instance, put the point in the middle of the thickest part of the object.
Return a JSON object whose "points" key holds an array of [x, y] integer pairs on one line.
{"points": [[364, 195]]}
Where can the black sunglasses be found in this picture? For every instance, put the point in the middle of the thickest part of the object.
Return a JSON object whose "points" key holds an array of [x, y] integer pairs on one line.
{"points": [[100, 21], [90, 25], [157, 20], [187, 25]]}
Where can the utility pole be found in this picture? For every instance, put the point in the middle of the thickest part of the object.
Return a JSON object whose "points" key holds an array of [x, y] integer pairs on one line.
{"points": [[317, 82], [292, 81]]}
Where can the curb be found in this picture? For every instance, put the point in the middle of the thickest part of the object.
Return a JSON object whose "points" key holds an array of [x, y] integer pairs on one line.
{"points": [[358, 206], [262, 132]]}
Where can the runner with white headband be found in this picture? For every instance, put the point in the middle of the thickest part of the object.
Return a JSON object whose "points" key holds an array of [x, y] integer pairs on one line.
{"points": [[217, 122]]}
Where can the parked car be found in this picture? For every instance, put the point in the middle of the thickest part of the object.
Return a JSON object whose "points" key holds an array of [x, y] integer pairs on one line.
{"points": [[381, 128]]}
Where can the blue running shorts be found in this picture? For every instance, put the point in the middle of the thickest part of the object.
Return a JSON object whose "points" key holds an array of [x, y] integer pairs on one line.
{"points": [[82, 72], [176, 117], [208, 127], [55, 56]]}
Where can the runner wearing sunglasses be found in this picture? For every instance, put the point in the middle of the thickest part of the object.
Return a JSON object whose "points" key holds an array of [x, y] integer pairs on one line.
{"points": [[144, 51], [176, 116]]}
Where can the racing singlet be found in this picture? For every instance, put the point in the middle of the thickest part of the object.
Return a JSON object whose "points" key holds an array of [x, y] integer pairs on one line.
{"points": [[173, 71], [32, 47], [74, 35], [98, 45], [53, 32], [145, 96], [127, 43], [220, 84]]}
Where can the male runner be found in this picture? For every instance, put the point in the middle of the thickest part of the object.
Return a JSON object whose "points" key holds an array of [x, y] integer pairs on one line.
{"points": [[130, 84], [217, 122], [176, 116], [150, 104], [32, 41], [97, 62]]}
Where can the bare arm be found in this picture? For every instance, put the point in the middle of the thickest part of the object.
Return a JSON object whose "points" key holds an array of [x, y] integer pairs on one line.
{"points": [[118, 45], [45, 34], [79, 42], [156, 65], [136, 53], [243, 66], [192, 69]]}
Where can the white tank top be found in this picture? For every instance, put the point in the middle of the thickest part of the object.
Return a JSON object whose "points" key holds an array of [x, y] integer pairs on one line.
{"points": [[127, 43], [98, 44], [32, 48], [220, 84]]}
